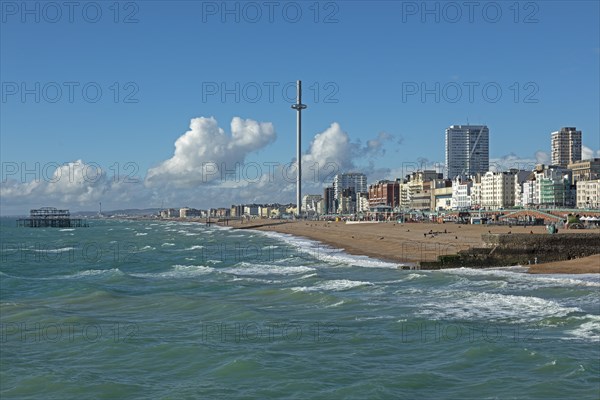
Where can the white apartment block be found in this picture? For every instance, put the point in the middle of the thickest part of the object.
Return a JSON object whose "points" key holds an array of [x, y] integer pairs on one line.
{"points": [[499, 189], [461, 194], [309, 202], [404, 195], [363, 203], [530, 194], [588, 194]]}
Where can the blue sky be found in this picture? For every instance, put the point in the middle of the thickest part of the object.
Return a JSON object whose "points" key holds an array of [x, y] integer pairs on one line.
{"points": [[363, 67]]}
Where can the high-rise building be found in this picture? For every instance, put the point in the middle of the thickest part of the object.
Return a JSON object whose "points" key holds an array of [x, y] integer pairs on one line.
{"points": [[467, 150], [354, 180], [566, 146], [329, 203]]}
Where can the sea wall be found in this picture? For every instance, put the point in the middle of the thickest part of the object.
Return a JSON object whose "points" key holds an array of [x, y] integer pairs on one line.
{"points": [[521, 249]]}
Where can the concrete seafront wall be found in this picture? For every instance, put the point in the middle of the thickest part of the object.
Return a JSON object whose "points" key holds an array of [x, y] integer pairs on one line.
{"points": [[521, 249]]}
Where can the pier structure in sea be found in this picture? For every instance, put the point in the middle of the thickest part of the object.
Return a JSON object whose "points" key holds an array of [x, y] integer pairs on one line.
{"points": [[51, 217]]}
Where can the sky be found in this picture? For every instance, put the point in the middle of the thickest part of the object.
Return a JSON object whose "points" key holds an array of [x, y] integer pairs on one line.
{"points": [[140, 104]]}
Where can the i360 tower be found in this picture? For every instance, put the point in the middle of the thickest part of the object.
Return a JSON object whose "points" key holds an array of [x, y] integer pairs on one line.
{"points": [[299, 107]]}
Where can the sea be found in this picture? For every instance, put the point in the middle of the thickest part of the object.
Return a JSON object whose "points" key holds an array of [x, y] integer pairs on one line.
{"points": [[173, 310]]}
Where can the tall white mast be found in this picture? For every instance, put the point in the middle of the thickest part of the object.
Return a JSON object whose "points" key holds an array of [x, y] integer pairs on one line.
{"points": [[299, 107]]}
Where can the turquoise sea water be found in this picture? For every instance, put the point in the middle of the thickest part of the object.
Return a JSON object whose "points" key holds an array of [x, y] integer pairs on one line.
{"points": [[167, 310]]}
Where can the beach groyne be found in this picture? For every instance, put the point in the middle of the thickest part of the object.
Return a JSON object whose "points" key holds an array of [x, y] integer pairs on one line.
{"points": [[520, 249]]}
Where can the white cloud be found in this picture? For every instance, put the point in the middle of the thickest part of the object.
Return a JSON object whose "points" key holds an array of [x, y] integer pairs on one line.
{"points": [[208, 168], [332, 146], [205, 151], [587, 153], [71, 185], [75, 181]]}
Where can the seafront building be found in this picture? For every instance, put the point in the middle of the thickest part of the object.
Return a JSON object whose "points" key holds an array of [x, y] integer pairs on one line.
{"points": [[251, 210], [236, 210], [347, 189], [385, 193], [441, 194], [222, 212], [420, 196], [467, 150], [420, 188], [547, 186], [329, 201], [499, 189], [170, 213], [585, 170], [476, 193], [347, 201], [310, 202], [461, 193], [363, 204], [566, 146], [187, 212], [354, 180], [588, 194], [404, 195]]}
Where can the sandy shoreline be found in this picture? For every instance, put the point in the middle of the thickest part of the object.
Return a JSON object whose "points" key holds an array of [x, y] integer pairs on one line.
{"points": [[585, 265], [411, 243]]}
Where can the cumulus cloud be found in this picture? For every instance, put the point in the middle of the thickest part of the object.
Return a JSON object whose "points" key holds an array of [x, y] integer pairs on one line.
{"points": [[76, 183], [332, 146], [587, 153], [208, 168], [330, 152], [205, 150]]}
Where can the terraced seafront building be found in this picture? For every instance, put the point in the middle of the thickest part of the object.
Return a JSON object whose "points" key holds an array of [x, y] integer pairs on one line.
{"points": [[385, 193], [585, 170]]}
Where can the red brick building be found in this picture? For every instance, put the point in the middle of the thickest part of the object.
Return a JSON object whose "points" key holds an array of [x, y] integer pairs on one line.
{"points": [[385, 193]]}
